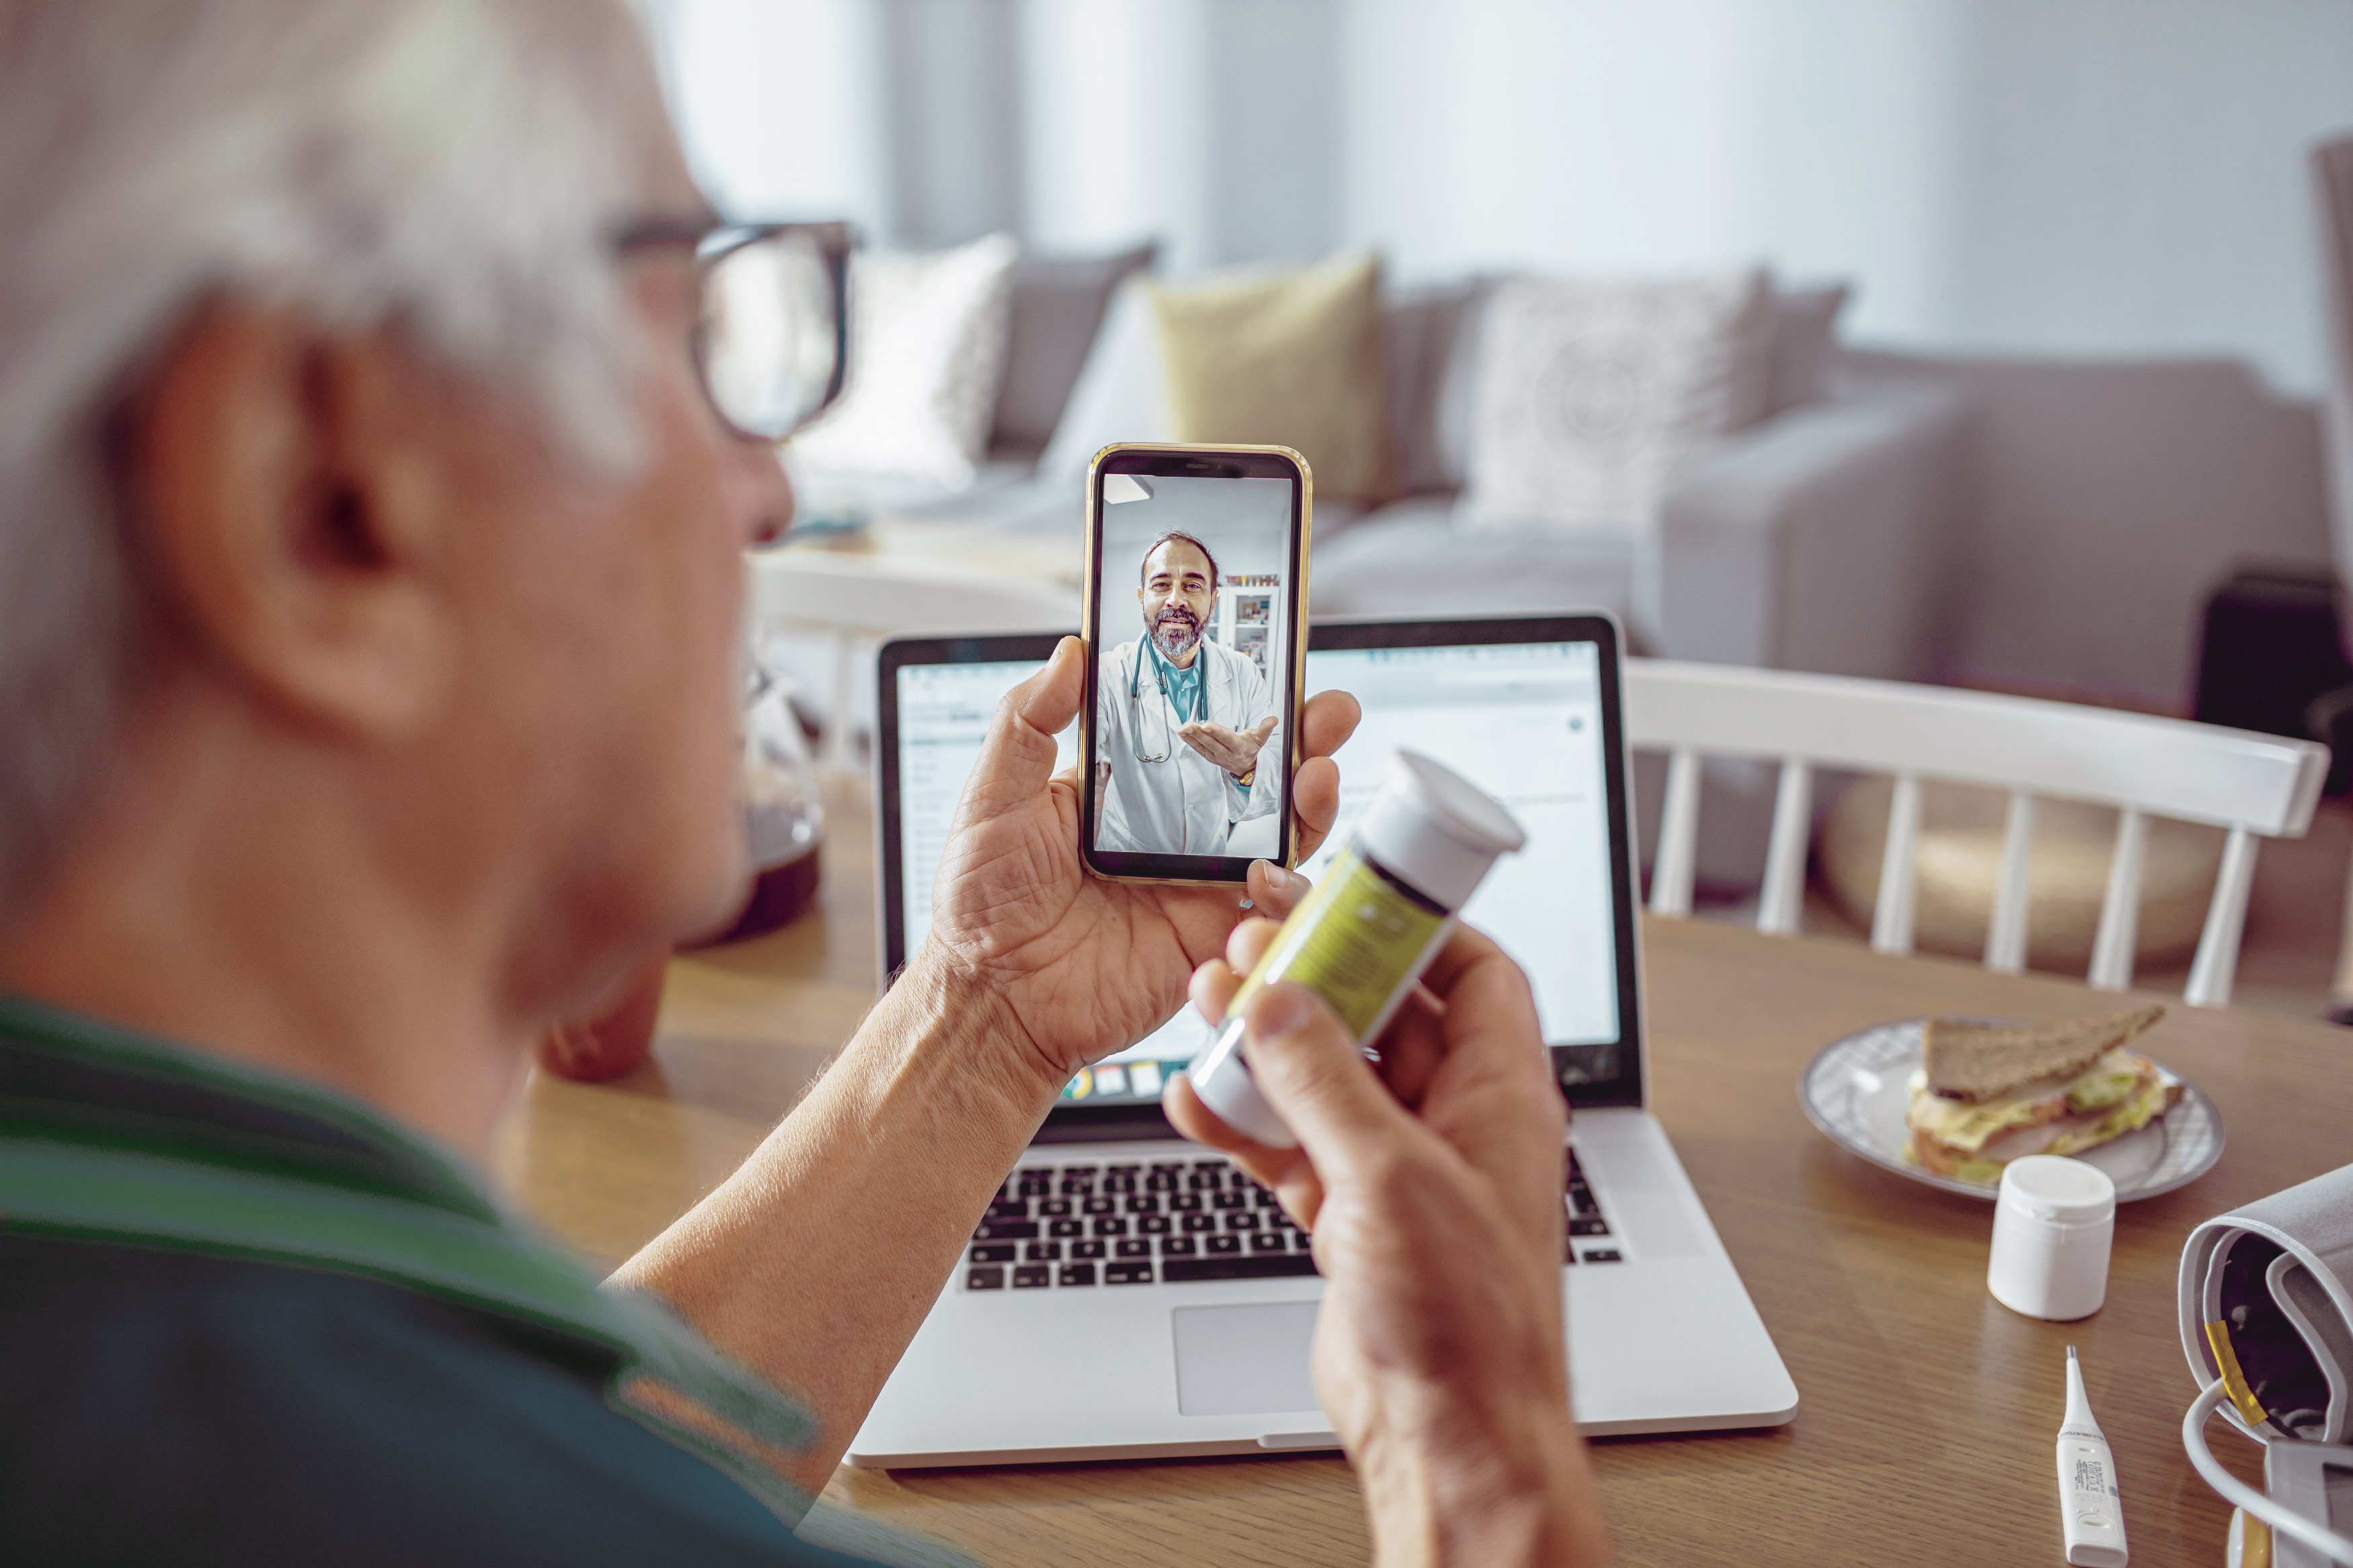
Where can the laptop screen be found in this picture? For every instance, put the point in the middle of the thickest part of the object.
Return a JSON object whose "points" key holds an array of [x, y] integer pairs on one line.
{"points": [[944, 710], [1526, 711]]}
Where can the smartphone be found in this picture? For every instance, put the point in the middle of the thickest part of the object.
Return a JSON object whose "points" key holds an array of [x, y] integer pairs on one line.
{"points": [[1194, 610]]}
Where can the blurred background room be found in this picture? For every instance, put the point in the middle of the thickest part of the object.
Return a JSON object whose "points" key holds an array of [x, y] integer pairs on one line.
{"points": [[1992, 343]]}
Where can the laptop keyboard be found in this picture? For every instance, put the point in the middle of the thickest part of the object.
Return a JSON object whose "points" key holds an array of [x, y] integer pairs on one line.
{"points": [[1070, 1226], [1171, 1222], [1589, 1237]]}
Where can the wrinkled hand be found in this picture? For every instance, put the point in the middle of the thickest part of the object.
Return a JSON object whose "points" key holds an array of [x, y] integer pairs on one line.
{"points": [[1085, 966], [1432, 1185], [1234, 751]]}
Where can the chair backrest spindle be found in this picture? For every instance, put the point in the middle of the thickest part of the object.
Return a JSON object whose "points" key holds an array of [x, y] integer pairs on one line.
{"points": [[1890, 922], [1671, 868], [2005, 948], [2212, 972], [1782, 909], [2112, 949]]}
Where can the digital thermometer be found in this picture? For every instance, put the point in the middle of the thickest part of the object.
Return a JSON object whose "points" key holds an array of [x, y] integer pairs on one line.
{"points": [[2091, 1507]]}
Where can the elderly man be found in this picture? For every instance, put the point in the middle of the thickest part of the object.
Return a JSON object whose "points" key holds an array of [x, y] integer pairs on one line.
{"points": [[371, 553], [1185, 721]]}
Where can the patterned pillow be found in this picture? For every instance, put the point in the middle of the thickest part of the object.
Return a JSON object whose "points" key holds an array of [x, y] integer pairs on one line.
{"points": [[1595, 395], [927, 350]]}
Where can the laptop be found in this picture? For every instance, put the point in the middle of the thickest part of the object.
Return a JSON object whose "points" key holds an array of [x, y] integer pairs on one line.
{"points": [[1129, 1294]]}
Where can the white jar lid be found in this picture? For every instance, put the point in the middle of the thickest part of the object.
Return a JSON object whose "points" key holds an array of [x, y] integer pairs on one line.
{"points": [[1436, 829], [2060, 1190]]}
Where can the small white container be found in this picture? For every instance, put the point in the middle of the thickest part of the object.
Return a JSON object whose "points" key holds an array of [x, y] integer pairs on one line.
{"points": [[2052, 1226]]}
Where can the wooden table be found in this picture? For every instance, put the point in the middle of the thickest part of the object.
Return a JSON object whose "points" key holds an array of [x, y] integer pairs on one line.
{"points": [[1928, 1409]]}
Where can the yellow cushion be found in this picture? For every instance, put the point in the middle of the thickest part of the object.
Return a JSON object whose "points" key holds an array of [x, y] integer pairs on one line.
{"points": [[1290, 359]]}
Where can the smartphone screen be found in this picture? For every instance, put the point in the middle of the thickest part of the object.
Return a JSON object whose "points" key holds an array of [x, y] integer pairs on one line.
{"points": [[1195, 595]]}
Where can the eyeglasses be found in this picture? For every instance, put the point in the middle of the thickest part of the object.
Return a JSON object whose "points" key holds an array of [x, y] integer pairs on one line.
{"points": [[772, 327]]}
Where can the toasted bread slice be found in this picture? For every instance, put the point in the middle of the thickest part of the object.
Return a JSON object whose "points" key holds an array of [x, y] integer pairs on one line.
{"points": [[1979, 1061]]}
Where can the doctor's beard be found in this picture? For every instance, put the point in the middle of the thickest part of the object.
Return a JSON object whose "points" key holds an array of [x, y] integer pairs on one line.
{"points": [[1175, 631]]}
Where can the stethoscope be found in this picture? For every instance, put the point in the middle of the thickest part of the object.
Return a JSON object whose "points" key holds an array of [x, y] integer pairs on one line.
{"points": [[1168, 704]]}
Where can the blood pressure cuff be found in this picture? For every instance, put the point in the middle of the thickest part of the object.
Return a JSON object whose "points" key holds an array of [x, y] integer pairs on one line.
{"points": [[2266, 1297]]}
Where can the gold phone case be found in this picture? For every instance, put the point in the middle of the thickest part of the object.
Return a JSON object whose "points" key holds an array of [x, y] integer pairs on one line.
{"points": [[1297, 643]]}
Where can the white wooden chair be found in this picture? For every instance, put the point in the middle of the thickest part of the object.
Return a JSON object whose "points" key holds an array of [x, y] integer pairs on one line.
{"points": [[2254, 785]]}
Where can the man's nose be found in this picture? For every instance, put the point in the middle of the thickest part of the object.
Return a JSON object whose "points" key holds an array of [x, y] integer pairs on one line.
{"points": [[765, 492]]}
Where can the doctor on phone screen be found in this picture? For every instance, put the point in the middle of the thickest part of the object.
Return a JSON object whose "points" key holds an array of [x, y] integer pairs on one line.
{"points": [[1189, 744]]}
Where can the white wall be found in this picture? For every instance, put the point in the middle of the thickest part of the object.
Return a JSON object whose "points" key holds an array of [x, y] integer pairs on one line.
{"points": [[780, 103], [2136, 178], [1827, 135], [1117, 139], [1212, 125], [2060, 177], [2057, 177]]}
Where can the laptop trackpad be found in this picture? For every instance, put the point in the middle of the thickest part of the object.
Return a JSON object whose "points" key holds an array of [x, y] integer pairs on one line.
{"points": [[1248, 1360]]}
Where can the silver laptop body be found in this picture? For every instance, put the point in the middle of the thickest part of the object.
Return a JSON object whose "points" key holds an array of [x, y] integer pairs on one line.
{"points": [[1132, 1294]]}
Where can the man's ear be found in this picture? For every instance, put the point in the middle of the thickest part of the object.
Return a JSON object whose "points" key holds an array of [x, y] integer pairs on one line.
{"points": [[292, 516]]}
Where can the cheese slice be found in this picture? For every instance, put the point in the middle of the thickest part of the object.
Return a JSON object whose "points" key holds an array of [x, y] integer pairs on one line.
{"points": [[1968, 1125]]}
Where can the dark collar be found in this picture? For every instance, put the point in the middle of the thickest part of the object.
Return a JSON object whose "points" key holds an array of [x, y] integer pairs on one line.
{"points": [[110, 1135], [70, 1077]]}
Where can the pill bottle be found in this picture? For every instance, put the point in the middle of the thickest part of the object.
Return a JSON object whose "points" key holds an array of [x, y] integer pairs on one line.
{"points": [[1362, 937], [2053, 1225]]}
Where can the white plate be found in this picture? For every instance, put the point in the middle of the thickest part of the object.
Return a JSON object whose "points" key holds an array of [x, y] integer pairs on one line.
{"points": [[1858, 1088]]}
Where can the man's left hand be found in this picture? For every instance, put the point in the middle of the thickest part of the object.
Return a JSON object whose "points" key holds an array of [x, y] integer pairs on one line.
{"points": [[1235, 751], [1085, 966]]}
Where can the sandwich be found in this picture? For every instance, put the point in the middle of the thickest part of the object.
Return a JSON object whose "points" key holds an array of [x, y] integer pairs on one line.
{"points": [[1986, 1094]]}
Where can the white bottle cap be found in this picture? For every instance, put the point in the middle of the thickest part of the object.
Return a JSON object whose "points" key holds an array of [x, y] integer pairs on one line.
{"points": [[2058, 1190], [1436, 829]]}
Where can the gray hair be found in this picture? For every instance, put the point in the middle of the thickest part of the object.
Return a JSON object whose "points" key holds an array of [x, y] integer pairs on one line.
{"points": [[454, 167]]}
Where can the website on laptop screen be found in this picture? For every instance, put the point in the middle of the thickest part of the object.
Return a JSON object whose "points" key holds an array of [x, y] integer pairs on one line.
{"points": [[1522, 720], [943, 715]]}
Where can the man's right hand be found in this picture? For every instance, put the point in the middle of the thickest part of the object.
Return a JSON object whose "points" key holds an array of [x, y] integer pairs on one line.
{"points": [[1432, 1185], [1068, 967]]}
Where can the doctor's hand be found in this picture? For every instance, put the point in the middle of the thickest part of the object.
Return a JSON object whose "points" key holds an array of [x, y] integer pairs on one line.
{"points": [[1432, 1185], [1234, 751], [1060, 966]]}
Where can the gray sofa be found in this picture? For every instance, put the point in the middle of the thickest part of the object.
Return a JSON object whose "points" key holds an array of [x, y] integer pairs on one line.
{"points": [[1810, 540]]}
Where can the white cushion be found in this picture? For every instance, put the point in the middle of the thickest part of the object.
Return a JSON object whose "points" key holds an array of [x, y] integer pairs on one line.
{"points": [[927, 350], [1594, 394]]}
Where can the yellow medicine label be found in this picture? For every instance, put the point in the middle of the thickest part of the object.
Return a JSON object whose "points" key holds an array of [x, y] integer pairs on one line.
{"points": [[1353, 942]]}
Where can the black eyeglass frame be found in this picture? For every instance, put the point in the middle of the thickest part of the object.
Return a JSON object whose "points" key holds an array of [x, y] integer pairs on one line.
{"points": [[712, 239]]}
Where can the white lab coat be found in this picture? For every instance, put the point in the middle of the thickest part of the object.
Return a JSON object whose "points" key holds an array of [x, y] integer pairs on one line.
{"points": [[1187, 804]]}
